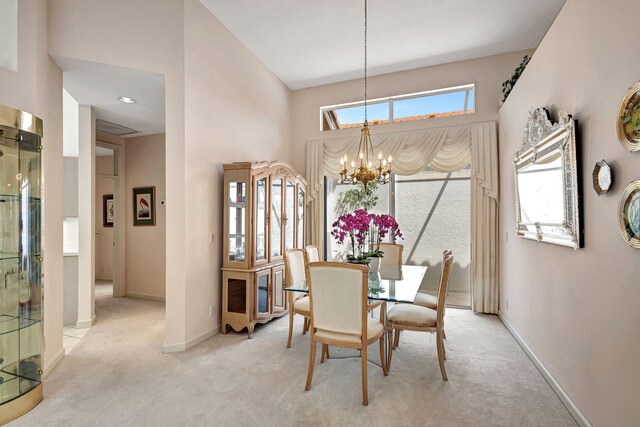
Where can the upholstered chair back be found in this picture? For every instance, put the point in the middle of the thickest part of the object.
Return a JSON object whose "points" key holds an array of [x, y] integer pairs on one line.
{"points": [[295, 261], [338, 293], [392, 255], [313, 253]]}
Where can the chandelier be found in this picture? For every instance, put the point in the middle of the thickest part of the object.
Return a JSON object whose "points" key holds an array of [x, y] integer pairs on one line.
{"points": [[365, 171]]}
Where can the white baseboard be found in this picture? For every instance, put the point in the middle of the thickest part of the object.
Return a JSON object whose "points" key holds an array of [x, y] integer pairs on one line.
{"points": [[573, 409], [174, 348], [83, 324], [144, 296], [54, 363]]}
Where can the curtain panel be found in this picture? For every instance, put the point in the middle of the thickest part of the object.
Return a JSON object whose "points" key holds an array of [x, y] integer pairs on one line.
{"points": [[445, 149]]}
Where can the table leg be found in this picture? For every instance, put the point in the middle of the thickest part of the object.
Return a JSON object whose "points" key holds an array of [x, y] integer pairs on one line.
{"points": [[383, 319]]}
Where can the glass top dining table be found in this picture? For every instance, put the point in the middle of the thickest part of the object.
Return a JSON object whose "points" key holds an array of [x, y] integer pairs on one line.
{"points": [[391, 283]]}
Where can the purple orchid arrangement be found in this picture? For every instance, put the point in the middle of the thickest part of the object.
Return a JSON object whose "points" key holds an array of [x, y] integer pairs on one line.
{"points": [[381, 226], [364, 232]]}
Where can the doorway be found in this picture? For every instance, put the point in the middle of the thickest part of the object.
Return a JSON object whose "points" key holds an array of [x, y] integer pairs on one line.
{"points": [[108, 219]]}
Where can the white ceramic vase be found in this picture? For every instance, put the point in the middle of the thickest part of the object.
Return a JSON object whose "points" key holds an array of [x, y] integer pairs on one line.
{"points": [[374, 264]]}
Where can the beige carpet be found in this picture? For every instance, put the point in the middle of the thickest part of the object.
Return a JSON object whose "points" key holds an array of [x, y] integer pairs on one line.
{"points": [[117, 375]]}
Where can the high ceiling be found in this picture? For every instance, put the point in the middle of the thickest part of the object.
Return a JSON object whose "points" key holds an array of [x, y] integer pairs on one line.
{"points": [[309, 43]]}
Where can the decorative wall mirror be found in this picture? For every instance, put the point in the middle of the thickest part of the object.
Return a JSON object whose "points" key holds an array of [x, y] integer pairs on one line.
{"points": [[547, 181]]}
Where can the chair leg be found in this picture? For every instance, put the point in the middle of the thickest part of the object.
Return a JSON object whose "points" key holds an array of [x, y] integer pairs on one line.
{"points": [[440, 347], [291, 314], [396, 342], [312, 361], [324, 349], [365, 395], [305, 327], [326, 357], [390, 337], [444, 335], [383, 360]]}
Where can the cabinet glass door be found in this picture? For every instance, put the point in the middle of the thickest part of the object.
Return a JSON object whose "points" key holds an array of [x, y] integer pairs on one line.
{"points": [[20, 263], [236, 295], [237, 221], [261, 219], [277, 279], [10, 271], [300, 217], [275, 215], [262, 294], [290, 216]]}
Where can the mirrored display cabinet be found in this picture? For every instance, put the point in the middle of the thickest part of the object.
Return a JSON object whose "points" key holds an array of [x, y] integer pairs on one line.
{"points": [[21, 336], [264, 216]]}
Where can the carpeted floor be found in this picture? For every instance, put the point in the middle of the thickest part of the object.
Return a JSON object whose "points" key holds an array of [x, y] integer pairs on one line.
{"points": [[117, 375]]}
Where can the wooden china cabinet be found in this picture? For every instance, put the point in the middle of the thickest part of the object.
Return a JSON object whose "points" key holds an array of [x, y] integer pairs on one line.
{"points": [[264, 216]]}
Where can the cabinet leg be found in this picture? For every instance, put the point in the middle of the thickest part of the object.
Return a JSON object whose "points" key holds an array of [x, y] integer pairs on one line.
{"points": [[250, 327], [223, 329]]}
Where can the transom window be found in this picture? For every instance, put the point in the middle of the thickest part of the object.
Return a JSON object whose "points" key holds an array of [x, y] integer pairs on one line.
{"points": [[453, 101]]}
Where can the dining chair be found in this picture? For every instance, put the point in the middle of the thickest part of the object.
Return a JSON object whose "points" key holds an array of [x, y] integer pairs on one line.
{"points": [[411, 317], [338, 296], [427, 300], [295, 261], [392, 254], [313, 253]]}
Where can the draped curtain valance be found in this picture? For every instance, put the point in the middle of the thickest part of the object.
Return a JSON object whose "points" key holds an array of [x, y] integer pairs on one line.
{"points": [[445, 149]]}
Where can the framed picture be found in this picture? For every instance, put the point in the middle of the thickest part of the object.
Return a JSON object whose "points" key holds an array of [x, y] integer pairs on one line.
{"points": [[108, 210], [144, 206]]}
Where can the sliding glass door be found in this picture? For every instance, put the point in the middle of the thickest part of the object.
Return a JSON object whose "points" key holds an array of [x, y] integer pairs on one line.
{"points": [[434, 212]]}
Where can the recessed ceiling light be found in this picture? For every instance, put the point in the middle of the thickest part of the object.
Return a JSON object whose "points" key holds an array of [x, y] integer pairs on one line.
{"points": [[127, 100]]}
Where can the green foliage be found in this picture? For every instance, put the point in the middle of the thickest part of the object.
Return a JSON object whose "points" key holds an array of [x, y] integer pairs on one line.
{"points": [[375, 253], [356, 198], [508, 84]]}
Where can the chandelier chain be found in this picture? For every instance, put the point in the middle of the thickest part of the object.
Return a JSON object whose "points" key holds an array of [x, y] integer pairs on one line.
{"points": [[365, 171], [365, 61]]}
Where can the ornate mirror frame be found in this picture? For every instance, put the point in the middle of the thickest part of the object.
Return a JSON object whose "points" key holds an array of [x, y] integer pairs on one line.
{"points": [[546, 140]]}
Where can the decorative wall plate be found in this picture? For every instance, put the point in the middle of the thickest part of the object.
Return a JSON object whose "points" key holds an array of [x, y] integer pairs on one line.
{"points": [[629, 214], [602, 178], [628, 122]]}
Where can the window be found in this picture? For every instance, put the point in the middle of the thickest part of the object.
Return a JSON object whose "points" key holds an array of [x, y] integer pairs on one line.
{"points": [[453, 101], [434, 212]]}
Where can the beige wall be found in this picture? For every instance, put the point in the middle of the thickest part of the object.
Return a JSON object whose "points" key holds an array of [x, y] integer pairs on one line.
{"points": [[104, 235], [230, 108], [235, 110], [84, 30], [37, 88], [487, 73], [578, 310], [145, 245]]}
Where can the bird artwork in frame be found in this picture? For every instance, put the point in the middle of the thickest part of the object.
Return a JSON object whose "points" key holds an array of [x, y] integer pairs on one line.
{"points": [[144, 206], [108, 210]]}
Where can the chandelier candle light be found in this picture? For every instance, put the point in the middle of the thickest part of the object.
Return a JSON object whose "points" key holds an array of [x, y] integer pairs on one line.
{"points": [[365, 172]]}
